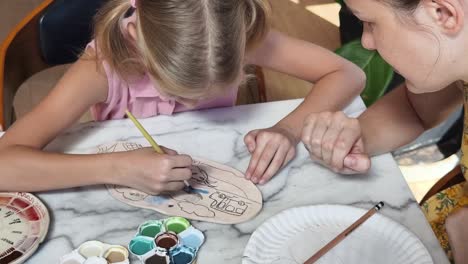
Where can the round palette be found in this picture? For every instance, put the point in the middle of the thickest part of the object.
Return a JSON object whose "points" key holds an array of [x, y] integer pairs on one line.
{"points": [[294, 235], [168, 241], [24, 221]]}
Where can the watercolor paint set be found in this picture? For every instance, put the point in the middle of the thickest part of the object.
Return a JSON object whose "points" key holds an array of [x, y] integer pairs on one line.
{"points": [[96, 252], [24, 222], [168, 241]]}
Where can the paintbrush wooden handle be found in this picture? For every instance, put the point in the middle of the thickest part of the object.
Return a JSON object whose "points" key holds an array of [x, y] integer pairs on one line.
{"points": [[344, 234], [145, 133], [148, 137]]}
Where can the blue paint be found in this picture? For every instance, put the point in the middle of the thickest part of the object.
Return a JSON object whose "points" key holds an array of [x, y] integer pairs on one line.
{"points": [[156, 200], [200, 191], [182, 255], [192, 237]]}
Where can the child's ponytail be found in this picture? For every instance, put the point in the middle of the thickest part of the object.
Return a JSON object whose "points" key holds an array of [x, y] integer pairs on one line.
{"points": [[110, 39]]}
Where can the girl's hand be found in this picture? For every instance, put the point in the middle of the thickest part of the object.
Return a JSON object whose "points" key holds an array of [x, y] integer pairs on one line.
{"points": [[152, 173], [335, 141], [271, 149]]}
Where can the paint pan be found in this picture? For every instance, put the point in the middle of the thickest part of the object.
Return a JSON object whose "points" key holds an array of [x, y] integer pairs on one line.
{"points": [[95, 260], [192, 237], [24, 225], [91, 249], [141, 245], [151, 228], [73, 258], [116, 254], [167, 240], [157, 259], [177, 224], [183, 255], [95, 252]]}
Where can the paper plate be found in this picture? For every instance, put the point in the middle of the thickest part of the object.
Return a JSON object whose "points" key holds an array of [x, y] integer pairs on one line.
{"points": [[24, 221], [296, 234]]}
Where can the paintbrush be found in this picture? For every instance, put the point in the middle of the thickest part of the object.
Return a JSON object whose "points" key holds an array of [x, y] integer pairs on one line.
{"points": [[344, 234], [150, 139]]}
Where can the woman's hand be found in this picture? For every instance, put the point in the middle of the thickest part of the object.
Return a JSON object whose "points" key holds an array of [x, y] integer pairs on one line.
{"points": [[335, 141]]}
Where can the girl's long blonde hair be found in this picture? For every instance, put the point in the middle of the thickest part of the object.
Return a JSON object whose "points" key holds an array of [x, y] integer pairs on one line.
{"points": [[188, 46]]}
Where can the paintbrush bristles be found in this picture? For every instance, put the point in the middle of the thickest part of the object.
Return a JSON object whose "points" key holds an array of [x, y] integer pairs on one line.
{"points": [[145, 133]]}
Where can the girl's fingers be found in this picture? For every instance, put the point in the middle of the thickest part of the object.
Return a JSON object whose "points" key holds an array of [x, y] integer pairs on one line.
{"points": [[264, 161], [169, 151], [289, 156], [250, 139], [275, 164], [173, 186], [181, 161], [260, 146], [180, 174]]}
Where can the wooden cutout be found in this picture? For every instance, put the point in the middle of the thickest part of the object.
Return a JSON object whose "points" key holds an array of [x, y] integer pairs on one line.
{"points": [[219, 194]]}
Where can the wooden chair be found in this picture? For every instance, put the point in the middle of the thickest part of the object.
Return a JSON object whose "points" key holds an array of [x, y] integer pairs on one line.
{"points": [[452, 178], [24, 53], [20, 58]]}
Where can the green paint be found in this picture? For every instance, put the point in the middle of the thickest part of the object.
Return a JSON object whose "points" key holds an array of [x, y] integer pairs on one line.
{"points": [[177, 224], [151, 228], [140, 245]]}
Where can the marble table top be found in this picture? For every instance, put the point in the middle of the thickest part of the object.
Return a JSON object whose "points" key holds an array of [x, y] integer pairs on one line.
{"points": [[90, 213]]}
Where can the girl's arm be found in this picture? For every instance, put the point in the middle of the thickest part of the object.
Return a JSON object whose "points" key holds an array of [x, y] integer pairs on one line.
{"points": [[25, 167], [336, 82]]}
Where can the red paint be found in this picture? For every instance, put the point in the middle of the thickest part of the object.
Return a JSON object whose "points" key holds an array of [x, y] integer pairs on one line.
{"points": [[31, 214], [20, 203]]}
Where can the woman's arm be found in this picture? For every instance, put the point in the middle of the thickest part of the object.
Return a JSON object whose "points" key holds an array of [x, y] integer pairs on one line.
{"points": [[344, 144], [401, 116]]}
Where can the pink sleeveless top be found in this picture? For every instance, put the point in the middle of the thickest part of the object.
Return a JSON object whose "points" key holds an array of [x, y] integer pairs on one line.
{"points": [[142, 98]]}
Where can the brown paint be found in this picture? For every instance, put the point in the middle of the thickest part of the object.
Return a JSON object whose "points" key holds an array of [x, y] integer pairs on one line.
{"points": [[167, 240], [156, 259]]}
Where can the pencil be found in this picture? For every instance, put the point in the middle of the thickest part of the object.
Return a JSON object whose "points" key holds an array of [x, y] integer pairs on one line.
{"points": [[145, 133], [344, 234], [151, 140]]}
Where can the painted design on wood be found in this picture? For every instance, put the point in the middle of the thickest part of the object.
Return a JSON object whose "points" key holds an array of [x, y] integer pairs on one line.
{"points": [[218, 193]]}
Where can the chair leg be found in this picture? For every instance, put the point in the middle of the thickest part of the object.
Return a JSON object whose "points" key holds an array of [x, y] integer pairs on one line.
{"points": [[450, 179]]}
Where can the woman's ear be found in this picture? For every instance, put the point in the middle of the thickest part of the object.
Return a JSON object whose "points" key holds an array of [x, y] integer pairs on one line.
{"points": [[447, 14]]}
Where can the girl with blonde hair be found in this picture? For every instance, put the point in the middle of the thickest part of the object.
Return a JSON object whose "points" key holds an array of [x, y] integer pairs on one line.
{"points": [[165, 56]]}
